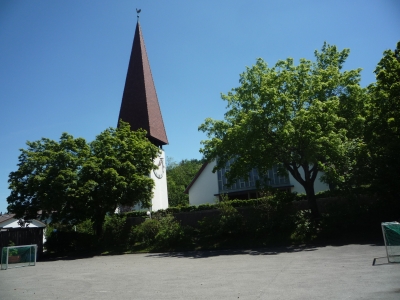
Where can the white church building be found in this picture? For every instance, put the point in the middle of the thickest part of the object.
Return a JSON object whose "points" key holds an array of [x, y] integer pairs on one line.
{"points": [[140, 108], [206, 186]]}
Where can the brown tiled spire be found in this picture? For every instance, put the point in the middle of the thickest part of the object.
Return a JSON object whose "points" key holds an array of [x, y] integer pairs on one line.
{"points": [[139, 105]]}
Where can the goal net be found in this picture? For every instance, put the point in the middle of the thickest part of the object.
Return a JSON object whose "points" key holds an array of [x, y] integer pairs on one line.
{"points": [[18, 256], [391, 235]]}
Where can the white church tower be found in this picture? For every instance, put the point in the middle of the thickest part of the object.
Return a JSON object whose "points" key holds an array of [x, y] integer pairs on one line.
{"points": [[140, 108]]}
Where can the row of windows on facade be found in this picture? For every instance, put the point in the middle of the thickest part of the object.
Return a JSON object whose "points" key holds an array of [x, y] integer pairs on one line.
{"points": [[274, 179]]}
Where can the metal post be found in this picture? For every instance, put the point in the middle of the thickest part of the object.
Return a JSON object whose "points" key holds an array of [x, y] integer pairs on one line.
{"points": [[384, 238], [35, 253], [7, 258]]}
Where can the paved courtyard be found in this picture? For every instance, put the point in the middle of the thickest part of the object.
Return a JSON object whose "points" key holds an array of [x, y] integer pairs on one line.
{"points": [[321, 272]]}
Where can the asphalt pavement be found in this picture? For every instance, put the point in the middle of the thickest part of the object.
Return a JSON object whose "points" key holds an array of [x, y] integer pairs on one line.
{"points": [[313, 272]]}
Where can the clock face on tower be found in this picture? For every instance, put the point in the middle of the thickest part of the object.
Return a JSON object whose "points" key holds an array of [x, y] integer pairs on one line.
{"points": [[159, 172]]}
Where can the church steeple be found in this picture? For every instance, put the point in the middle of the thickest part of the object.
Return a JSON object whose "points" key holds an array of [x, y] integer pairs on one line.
{"points": [[139, 106]]}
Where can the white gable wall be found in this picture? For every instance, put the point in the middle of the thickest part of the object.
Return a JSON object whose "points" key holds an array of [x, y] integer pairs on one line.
{"points": [[13, 223], [205, 187]]}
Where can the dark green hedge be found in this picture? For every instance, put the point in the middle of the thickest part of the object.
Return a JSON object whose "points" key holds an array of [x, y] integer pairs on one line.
{"points": [[201, 207], [278, 197]]}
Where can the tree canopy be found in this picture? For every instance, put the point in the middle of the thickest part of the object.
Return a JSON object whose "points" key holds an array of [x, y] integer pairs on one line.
{"points": [[72, 180], [179, 176], [383, 125], [297, 116]]}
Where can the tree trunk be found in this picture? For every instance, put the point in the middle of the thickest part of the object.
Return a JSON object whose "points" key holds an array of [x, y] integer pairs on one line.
{"points": [[308, 183], [312, 200], [98, 224], [98, 229]]}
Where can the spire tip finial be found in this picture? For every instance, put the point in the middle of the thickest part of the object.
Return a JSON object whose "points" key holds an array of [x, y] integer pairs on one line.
{"points": [[138, 12]]}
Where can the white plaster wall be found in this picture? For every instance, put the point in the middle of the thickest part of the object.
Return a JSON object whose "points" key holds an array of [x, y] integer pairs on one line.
{"points": [[160, 196], [13, 224], [319, 186], [205, 187]]}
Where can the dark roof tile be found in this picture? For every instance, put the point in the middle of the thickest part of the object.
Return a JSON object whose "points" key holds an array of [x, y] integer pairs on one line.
{"points": [[139, 106]]}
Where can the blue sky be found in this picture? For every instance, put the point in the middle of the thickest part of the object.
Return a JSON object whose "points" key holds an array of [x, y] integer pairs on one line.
{"points": [[63, 63]]}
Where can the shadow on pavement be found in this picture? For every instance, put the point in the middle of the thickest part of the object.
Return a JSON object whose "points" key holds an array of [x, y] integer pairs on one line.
{"points": [[221, 252], [213, 253], [380, 261], [66, 257], [261, 251]]}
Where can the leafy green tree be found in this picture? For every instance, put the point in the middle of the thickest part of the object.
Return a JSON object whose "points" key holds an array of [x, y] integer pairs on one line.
{"points": [[47, 180], [72, 180], [383, 125], [117, 172], [179, 176], [306, 116]]}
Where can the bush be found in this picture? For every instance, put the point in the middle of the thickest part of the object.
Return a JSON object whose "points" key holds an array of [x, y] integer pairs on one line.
{"points": [[85, 227], [223, 228], [11, 252], [231, 221], [160, 233], [208, 229], [170, 235], [145, 233], [114, 230], [306, 229], [69, 238], [69, 241]]}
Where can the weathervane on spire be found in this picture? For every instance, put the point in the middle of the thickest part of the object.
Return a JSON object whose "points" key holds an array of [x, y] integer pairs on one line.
{"points": [[138, 12]]}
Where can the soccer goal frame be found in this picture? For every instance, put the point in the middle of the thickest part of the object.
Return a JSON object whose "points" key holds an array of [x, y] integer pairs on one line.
{"points": [[391, 236], [18, 256]]}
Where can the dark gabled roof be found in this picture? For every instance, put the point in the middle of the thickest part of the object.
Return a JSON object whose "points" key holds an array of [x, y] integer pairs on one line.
{"points": [[139, 106], [195, 177], [6, 217]]}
